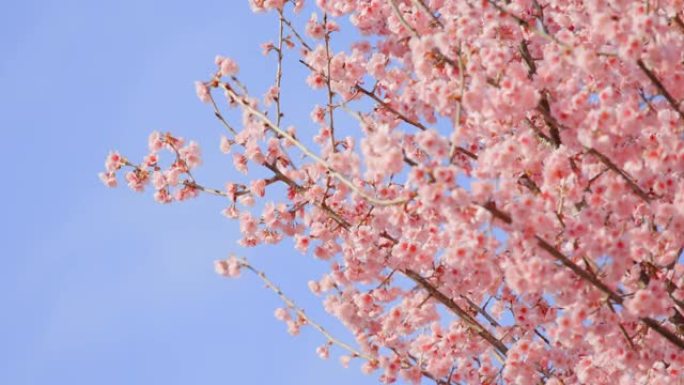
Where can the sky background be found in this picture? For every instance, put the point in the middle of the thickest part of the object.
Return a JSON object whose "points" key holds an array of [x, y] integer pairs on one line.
{"points": [[103, 286]]}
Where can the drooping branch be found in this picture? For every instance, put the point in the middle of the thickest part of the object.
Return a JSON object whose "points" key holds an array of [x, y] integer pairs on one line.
{"points": [[300, 312]]}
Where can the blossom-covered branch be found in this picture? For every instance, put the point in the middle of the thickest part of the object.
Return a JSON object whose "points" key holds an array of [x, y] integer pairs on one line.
{"points": [[506, 207]]}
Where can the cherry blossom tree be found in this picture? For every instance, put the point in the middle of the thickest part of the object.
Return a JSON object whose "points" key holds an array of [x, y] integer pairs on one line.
{"points": [[508, 207]]}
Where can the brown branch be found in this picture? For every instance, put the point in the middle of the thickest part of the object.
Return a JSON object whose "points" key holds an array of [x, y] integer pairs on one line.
{"points": [[391, 109], [588, 277], [661, 88], [427, 10], [678, 21], [328, 80], [508, 13], [540, 15], [527, 57], [453, 306], [491, 207], [394, 111], [524, 23], [434, 292], [545, 108], [622, 329], [613, 167], [403, 117], [297, 35], [478, 309], [403, 21], [663, 331], [220, 117], [582, 273], [279, 71], [527, 182], [207, 190]]}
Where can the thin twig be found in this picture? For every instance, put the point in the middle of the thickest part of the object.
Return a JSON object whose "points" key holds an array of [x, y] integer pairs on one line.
{"points": [[279, 71], [328, 80], [613, 167], [300, 312], [297, 35], [220, 117], [501, 349], [403, 21]]}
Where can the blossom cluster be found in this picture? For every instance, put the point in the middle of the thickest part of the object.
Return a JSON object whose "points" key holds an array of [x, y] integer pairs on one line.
{"points": [[509, 210], [175, 183]]}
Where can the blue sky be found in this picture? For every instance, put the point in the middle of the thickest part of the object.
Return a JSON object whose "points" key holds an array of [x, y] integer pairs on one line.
{"points": [[105, 286]]}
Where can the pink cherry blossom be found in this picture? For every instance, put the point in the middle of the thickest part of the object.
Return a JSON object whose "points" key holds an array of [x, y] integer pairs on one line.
{"points": [[203, 92], [186, 192], [163, 196], [225, 145], [108, 178], [316, 80], [494, 190], [159, 180], [323, 351], [155, 142], [137, 179], [227, 66], [114, 162], [315, 29], [302, 243], [282, 314], [228, 267], [231, 212], [258, 187], [383, 151], [190, 154], [271, 95], [240, 163]]}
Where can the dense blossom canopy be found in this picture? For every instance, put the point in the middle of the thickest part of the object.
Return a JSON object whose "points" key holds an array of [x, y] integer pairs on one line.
{"points": [[509, 210]]}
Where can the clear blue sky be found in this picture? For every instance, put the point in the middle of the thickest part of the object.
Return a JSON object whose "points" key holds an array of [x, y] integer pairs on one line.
{"points": [[105, 286]]}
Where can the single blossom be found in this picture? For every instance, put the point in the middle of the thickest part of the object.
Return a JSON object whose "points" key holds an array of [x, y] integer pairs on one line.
{"points": [[203, 92], [227, 66], [315, 29], [108, 178]]}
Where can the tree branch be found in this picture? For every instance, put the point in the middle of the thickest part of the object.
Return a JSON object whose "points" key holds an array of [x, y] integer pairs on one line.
{"points": [[661, 88]]}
